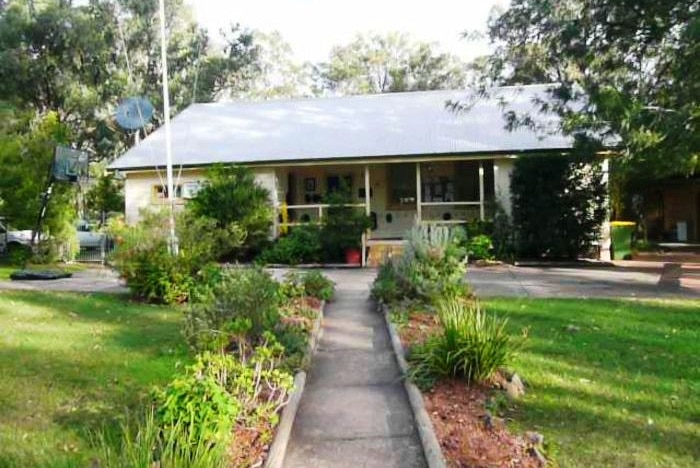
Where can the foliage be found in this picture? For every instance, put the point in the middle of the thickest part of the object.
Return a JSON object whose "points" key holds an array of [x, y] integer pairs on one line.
{"points": [[502, 234], [104, 197], [623, 69], [471, 344], [199, 399], [151, 272], [433, 263], [559, 205], [71, 59], [146, 443], [343, 225], [236, 312], [385, 288], [317, 285], [309, 283], [377, 64], [479, 247], [301, 245], [26, 154], [231, 196]]}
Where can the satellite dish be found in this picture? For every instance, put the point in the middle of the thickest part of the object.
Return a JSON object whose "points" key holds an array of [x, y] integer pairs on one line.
{"points": [[134, 112]]}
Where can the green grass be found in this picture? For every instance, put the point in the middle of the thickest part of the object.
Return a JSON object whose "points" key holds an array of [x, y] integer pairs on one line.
{"points": [[622, 391], [71, 364]]}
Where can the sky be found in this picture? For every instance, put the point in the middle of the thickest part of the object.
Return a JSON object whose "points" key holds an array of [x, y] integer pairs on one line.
{"points": [[312, 27]]}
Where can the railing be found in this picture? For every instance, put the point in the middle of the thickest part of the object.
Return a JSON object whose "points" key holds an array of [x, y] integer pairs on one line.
{"points": [[317, 207]]}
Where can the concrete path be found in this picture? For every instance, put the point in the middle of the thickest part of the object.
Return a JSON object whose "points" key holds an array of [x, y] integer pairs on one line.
{"points": [[624, 279], [354, 411]]}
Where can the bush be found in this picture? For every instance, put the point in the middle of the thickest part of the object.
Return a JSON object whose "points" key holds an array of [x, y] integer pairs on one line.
{"points": [[385, 288], [433, 263], [151, 272], [317, 285], [236, 310], [301, 245], [231, 196], [559, 205], [343, 226], [479, 247], [311, 283], [146, 443], [471, 345]]}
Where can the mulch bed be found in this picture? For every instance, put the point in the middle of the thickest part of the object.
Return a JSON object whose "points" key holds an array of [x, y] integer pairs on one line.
{"points": [[469, 435]]}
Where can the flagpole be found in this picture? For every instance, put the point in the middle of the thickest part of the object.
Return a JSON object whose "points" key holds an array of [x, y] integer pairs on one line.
{"points": [[172, 240]]}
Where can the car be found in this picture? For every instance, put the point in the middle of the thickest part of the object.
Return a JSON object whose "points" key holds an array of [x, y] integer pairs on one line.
{"points": [[10, 239], [87, 238]]}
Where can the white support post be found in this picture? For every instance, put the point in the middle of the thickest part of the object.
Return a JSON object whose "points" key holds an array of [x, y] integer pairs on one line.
{"points": [[172, 239], [482, 211], [605, 242], [419, 197], [366, 235]]}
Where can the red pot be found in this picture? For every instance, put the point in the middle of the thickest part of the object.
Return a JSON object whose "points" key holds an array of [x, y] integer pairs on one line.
{"points": [[353, 256]]}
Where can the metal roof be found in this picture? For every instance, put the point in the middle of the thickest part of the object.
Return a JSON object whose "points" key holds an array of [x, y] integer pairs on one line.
{"points": [[367, 126]]}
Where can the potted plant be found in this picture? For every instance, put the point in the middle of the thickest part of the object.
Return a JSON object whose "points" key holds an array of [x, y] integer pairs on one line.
{"points": [[343, 228]]}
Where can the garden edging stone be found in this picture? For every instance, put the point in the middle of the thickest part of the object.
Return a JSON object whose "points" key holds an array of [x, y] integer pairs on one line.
{"points": [[278, 449], [426, 431]]}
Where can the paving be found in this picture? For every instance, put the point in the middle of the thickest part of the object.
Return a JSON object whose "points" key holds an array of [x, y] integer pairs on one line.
{"points": [[354, 411], [623, 279]]}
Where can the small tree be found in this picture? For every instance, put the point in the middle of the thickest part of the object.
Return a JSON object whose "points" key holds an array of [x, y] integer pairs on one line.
{"points": [[232, 196], [559, 205], [343, 226], [104, 197]]}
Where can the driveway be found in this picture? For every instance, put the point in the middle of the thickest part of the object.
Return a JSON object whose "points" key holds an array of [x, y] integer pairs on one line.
{"points": [[90, 280], [624, 279]]}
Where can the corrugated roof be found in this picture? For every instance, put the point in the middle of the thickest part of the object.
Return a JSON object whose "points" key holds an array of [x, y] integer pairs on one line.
{"points": [[368, 126]]}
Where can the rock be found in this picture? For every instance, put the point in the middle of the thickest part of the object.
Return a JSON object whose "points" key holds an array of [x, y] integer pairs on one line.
{"points": [[573, 328], [535, 438], [514, 387]]}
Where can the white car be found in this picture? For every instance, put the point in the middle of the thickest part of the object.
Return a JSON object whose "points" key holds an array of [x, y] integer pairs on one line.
{"points": [[9, 238], [87, 238]]}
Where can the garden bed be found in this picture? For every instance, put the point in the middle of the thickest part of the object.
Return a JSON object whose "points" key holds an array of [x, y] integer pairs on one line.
{"points": [[461, 415], [468, 432]]}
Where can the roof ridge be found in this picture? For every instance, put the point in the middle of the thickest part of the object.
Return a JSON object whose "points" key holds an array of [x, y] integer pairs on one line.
{"points": [[361, 96]]}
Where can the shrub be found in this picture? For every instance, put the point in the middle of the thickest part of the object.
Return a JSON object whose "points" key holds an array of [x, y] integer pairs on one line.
{"points": [[559, 205], [471, 345], [433, 263], [343, 226], [200, 400], [146, 443], [231, 196], [301, 245], [317, 285], [386, 285], [311, 283], [479, 247], [237, 309], [151, 272]]}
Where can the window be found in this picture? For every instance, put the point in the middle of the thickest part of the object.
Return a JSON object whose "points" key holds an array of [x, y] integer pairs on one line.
{"points": [[402, 185], [161, 193]]}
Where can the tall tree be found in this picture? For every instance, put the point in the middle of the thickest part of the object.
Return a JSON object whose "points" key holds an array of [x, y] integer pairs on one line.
{"points": [[626, 69], [81, 61], [373, 63], [276, 74]]}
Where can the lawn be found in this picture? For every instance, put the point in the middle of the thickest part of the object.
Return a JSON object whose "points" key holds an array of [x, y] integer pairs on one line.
{"points": [[611, 382], [73, 363]]}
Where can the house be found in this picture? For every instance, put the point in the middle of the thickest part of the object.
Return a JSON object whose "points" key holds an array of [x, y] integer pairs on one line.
{"points": [[407, 157]]}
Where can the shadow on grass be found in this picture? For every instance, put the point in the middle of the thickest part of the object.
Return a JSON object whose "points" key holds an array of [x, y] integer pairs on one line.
{"points": [[618, 386]]}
